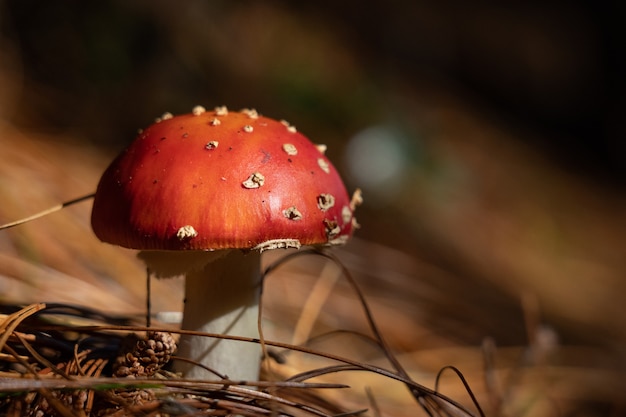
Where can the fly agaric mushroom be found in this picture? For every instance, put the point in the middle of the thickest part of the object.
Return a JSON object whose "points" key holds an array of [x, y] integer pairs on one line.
{"points": [[202, 195]]}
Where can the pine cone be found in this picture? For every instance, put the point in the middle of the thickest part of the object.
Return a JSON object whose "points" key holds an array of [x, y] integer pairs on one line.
{"points": [[143, 358]]}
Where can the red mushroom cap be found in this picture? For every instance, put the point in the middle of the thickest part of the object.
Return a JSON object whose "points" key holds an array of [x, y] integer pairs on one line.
{"points": [[217, 180]]}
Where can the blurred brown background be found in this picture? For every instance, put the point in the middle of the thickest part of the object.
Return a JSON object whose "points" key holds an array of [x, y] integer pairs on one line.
{"points": [[488, 139]]}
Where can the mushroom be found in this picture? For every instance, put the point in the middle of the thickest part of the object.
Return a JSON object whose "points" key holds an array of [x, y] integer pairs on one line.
{"points": [[207, 212]]}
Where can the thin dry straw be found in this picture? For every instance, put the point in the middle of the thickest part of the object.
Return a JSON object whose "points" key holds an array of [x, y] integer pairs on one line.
{"points": [[227, 395], [430, 400], [50, 210]]}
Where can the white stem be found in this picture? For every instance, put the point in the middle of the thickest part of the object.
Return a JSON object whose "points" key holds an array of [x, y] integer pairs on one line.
{"points": [[223, 298]]}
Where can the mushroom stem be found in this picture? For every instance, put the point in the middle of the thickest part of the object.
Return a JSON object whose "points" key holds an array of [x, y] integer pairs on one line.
{"points": [[223, 298]]}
